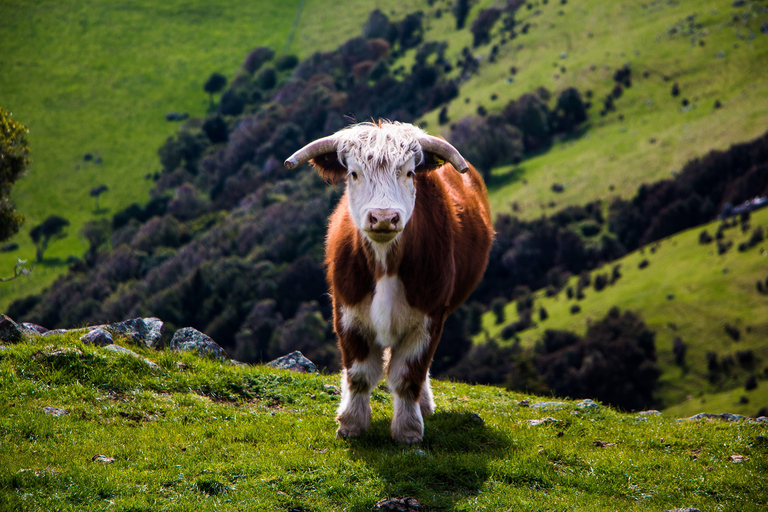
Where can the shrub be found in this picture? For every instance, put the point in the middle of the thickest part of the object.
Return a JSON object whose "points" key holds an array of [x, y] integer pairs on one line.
{"points": [[487, 142], [679, 349], [601, 281], [643, 264], [460, 11], [214, 84], [257, 58], [705, 237], [286, 62], [575, 309], [543, 315], [497, 306], [481, 27], [733, 332], [750, 383]]}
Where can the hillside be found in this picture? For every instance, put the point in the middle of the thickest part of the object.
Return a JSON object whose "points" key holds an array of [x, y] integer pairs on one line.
{"points": [[87, 429], [686, 291], [229, 242], [99, 78]]}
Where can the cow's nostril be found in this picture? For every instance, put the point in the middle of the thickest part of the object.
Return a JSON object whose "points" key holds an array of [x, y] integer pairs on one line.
{"points": [[373, 220], [395, 219]]}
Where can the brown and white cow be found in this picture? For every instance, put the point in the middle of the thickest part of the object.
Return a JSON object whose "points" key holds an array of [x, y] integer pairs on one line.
{"points": [[407, 244]]}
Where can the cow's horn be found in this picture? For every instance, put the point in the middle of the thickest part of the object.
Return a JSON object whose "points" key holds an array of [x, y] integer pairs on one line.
{"points": [[443, 149], [310, 151]]}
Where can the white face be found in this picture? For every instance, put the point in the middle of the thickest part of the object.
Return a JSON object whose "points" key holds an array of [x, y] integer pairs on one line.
{"points": [[381, 200]]}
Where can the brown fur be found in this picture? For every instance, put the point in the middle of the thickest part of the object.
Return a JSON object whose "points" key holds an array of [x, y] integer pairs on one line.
{"points": [[440, 257]]}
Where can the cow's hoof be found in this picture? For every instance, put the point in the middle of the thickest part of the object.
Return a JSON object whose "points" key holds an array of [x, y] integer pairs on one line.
{"points": [[349, 432], [408, 438]]}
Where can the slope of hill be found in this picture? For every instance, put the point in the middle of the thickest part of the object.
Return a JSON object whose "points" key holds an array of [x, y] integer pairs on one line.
{"points": [[99, 78], [686, 291], [714, 52], [85, 428]]}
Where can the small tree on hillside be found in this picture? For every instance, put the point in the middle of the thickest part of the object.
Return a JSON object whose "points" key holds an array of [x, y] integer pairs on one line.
{"points": [[96, 233], [14, 151], [50, 229], [97, 191], [487, 142], [214, 84]]}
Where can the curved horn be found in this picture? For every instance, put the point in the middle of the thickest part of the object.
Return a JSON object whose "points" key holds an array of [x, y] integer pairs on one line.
{"points": [[310, 151], [443, 149]]}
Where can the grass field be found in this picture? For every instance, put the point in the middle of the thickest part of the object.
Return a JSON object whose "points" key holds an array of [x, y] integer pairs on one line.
{"points": [[687, 290], [198, 435]]}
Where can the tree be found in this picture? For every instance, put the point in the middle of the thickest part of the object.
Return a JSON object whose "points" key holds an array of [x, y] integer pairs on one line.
{"points": [[96, 232], [97, 191], [487, 142], [14, 151], [214, 84], [50, 229], [460, 11]]}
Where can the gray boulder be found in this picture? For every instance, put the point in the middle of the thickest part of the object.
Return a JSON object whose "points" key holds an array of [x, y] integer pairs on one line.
{"points": [[142, 331], [549, 405], [55, 411], [295, 362], [98, 336], [33, 329], [189, 339], [10, 332]]}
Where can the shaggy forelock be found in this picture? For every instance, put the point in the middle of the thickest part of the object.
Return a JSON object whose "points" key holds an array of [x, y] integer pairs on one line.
{"points": [[380, 146]]}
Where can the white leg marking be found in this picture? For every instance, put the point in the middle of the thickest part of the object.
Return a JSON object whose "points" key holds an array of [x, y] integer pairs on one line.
{"points": [[426, 400], [357, 382], [407, 422], [407, 419]]}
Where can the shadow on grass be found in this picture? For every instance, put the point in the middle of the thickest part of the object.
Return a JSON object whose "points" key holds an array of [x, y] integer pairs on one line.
{"points": [[451, 463]]}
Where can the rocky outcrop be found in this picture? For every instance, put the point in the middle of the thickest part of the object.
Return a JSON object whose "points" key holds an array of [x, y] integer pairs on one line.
{"points": [[295, 362], [10, 332], [189, 339]]}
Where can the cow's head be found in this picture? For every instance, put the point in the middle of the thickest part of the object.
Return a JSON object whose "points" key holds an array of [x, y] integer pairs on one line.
{"points": [[380, 162]]}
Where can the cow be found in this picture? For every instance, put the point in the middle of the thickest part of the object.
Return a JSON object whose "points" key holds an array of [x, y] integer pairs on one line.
{"points": [[406, 245]]}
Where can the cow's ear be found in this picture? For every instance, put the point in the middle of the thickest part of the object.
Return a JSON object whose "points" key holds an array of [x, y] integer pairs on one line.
{"points": [[329, 167], [430, 162]]}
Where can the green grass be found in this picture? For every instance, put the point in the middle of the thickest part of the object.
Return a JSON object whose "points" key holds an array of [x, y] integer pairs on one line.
{"points": [[707, 291], [213, 436]]}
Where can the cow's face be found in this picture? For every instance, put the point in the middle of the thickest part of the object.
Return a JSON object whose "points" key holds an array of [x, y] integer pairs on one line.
{"points": [[380, 163], [381, 197]]}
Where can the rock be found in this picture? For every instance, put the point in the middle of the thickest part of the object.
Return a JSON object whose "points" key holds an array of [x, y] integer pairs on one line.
{"points": [[176, 116], [398, 505], [240, 364], [98, 337], [331, 389], [524, 403], [143, 331], [603, 444], [103, 459], [587, 404], [55, 332], [549, 405], [296, 362], [10, 332], [738, 458], [689, 509], [123, 350], [651, 412], [55, 411], [726, 416], [57, 354], [30, 328], [545, 421], [189, 339]]}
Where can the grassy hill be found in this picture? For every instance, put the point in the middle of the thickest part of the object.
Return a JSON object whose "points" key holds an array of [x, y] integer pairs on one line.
{"points": [[198, 434], [712, 50], [689, 291], [99, 77]]}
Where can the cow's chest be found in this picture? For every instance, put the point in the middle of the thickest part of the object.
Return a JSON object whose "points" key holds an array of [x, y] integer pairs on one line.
{"points": [[386, 316]]}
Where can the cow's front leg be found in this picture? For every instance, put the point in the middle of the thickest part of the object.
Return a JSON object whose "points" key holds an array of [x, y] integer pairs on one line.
{"points": [[358, 379], [408, 380]]}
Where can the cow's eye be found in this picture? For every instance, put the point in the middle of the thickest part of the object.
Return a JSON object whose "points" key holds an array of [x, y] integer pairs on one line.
{"points": [[410, 174], [353, 174]]}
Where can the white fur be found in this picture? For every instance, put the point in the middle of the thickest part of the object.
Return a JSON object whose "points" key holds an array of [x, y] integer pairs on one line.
{"points": [[381, 157], [407, 421], [354, 413]]}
